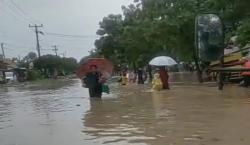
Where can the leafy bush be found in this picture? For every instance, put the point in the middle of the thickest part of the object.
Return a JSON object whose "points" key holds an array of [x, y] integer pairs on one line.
{"points": [[244, 33], [33, 75]]}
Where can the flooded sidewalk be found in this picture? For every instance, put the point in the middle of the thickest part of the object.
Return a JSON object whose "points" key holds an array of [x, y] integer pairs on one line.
{"points": [[61, 113]]}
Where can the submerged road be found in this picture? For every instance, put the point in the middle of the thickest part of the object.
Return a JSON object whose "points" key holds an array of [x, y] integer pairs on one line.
{"points": [[61, 113]]}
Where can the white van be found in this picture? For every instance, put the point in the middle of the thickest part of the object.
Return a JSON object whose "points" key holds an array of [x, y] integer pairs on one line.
{"points": [[9, 76]]}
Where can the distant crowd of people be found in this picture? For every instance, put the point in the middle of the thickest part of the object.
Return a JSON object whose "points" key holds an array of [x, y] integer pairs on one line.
{"points": [[129, 77], [159, 82]]}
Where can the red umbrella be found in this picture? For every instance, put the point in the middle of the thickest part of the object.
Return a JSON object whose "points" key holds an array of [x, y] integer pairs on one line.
{"points": [[103, 65]]}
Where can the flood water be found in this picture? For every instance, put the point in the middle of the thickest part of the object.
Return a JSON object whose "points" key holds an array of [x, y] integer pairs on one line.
{"points": [[61, 113]]}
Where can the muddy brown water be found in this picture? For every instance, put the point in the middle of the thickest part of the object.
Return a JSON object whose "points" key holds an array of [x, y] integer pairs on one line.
{"points": [[61, 113]]}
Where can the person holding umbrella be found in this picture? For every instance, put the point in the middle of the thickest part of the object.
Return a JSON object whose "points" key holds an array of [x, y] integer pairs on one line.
{"points": [[94, 72], [92, 80], [164, 77], [162, 62]]}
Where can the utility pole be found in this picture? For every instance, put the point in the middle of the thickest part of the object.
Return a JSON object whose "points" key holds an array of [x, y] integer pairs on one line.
{"points": [[37, 37], [55, 49], [19, 58], [3, 72], [2, 46]]}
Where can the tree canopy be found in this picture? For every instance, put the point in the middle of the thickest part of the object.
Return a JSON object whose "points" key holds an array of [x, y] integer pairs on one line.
{"points": [[149, 28], [48, 64]]}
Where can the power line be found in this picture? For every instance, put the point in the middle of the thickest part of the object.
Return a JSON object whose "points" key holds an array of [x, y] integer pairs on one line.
{"points": [[16, 9], [18, 46], [64, 45], [70, 36], [9, 48], [14, 16], [22, 11], [37, 37], [4, 48], [45, 49], [16, 13]]}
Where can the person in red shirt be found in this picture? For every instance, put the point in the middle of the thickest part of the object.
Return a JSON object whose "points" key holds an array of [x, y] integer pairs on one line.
{"points": [[164, 77], [246, 75]]}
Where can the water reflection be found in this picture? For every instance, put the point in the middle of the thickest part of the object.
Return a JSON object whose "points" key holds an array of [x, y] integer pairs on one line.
{"points": [[42, 113], [143, 118], [182, 115], [120, 121], [5, 105], [185, 77]]}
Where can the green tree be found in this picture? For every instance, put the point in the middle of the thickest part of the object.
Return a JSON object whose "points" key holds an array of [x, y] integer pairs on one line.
{"points": [[48, 64], [30, 57], [166, 27], [69, 65]]}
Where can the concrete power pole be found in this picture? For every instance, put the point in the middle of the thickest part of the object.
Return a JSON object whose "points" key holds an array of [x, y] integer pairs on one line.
{"points": [[37, 37], [2, 46], [55, 49]]}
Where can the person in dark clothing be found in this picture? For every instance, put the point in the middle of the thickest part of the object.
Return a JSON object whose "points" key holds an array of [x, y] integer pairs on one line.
{"points": [[93, 82], [140, 76]]}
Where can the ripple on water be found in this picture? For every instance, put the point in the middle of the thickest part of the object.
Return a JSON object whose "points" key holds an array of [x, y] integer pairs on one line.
{"points": [[5, 112], [48, 114], [116, 133]]}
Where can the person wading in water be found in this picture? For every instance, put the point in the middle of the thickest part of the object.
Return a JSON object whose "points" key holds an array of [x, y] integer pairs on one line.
{"points": [[164, 77], [140, 76], [93, 82]]}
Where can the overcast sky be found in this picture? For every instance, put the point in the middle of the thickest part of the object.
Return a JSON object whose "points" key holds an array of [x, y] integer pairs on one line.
{"points": [[72, 17]]}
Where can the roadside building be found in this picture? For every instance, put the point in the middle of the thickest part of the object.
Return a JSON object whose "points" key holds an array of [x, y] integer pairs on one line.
{"points": [[3, 68], [10, 72]]}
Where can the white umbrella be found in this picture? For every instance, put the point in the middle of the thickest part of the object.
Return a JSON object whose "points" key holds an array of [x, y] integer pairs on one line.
{"points": [[162, 61]]}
